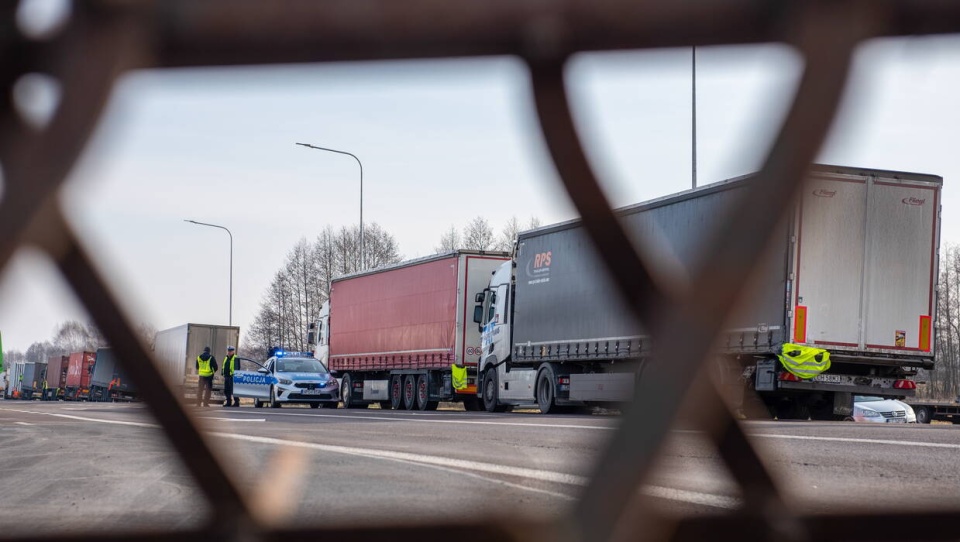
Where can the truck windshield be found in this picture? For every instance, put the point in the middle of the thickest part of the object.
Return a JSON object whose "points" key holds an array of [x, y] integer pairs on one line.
{"points": [[300, 366]]}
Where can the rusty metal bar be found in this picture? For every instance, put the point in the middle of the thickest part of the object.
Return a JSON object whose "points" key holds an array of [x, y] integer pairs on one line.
{"points": [[228, 507], [205, 33], [112, 36], [690, 327]]}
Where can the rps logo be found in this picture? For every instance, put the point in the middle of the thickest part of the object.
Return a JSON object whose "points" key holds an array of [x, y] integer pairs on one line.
{"points": [[542, 259], [538, 267], [913, 201], [824, 193]]}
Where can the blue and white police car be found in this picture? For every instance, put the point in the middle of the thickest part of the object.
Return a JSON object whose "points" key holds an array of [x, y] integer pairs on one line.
{"points": [[287, 377]]}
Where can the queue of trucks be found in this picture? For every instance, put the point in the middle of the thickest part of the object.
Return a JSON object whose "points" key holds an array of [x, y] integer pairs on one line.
{"points": [[851, 272], [80, 376]]}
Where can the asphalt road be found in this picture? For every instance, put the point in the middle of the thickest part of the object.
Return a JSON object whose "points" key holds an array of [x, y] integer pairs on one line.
{"points": [[85, 466]]}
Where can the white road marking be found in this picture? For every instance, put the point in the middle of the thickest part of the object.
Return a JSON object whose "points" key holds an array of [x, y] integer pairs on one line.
{"points": [[22, 423], [861, 440], [456, 421], [445, 463], [233, 419]]}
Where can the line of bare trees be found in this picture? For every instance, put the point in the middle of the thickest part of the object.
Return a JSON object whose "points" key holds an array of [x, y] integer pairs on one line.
{"points": [[943, 382], [69, 336], [479, 235], [302, 284]]}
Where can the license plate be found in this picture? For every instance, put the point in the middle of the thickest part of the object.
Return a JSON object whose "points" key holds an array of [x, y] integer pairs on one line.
{"points": [[828, 378], [312, 392], [896, 420]]}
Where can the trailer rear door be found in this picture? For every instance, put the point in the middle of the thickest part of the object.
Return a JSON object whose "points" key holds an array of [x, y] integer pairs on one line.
{"points": [[866, 262], [901, 264]]}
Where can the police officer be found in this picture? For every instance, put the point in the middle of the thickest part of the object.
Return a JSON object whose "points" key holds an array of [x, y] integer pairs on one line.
{"points": [[206, 368], [230, 364]]}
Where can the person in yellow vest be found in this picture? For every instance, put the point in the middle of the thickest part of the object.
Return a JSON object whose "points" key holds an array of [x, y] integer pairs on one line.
{"points": [[230, 364], [206, 368]]}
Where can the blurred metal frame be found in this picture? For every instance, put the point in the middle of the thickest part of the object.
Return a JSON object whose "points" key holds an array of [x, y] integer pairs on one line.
{"points": [[104, 39]]}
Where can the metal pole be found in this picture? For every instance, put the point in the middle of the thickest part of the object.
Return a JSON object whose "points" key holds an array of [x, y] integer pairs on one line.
{"points": [[362, 256], [694, 131], [230, 321]]}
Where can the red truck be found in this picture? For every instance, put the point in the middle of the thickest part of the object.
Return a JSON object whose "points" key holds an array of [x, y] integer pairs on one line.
{"points": [[79, 369], [56, 377], [393, 335]]}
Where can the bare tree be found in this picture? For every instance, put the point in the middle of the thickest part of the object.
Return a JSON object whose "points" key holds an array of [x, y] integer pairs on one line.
{"points": [[299, 289], [148, 334], [38, 352], [74, 336], [478, 235], [534, 223], [508, 236], [449, 241]]}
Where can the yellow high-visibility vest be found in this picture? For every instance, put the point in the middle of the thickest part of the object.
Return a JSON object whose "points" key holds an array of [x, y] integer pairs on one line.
{"points": [[459, 377], [204, 367], [805, 362], [229, 365]]}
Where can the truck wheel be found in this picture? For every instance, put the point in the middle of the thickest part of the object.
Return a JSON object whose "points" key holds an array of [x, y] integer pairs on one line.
{"points": [[546, 392], [423, 394], [490, 402], [923, 414], [273, 398], [346, 392], [409, 392], [396, 393]]}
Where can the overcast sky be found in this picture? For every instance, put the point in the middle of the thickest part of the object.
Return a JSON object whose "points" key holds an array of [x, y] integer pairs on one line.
{"points": [[441, 142]]}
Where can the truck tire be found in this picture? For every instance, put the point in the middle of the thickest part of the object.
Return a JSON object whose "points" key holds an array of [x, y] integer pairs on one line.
{"points": [[923, 414], [346, 392], [409, 392], [396, 393], [423, 394], [490, 402], [546, 391]]}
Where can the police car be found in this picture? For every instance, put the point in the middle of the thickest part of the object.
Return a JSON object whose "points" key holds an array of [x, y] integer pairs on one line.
{"points": [[287, 377]]}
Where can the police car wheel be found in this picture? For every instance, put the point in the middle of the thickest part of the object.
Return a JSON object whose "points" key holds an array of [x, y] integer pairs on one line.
{"points": [[273, 398]]}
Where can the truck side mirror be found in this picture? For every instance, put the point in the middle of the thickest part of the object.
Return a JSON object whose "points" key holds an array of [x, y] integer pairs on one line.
{"points": [[311, 338], [478, 314], [478, 298]]}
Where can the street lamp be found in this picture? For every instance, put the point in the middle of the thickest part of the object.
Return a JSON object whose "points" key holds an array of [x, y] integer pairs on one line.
{"points": [[231, 259], [361, 191]]}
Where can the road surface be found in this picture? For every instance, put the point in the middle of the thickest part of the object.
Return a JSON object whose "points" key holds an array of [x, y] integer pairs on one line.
{"points": [[79, 466]]}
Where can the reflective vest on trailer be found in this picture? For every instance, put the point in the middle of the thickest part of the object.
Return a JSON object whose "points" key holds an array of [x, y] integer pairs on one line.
{"points": [[804, 362], [459, 375], [204, 367]]}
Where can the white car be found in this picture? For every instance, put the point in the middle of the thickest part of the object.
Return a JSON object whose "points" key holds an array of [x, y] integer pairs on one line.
{"points": [[287, 377], [868, 408]]}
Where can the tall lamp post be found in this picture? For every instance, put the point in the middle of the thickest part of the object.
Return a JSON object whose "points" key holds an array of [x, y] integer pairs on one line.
{"points": [[309, 146], [231, 259]]}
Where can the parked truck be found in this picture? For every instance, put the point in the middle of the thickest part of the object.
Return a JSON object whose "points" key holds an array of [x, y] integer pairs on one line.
{"points": [[177, 349], [56, 377], [34, 377], [395, 335], [852, 270], [14, 379], [79, 369], [108, 382]]}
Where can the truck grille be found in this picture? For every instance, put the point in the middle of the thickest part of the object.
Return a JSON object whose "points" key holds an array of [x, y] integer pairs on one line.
{"points": [[895, 414]]}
